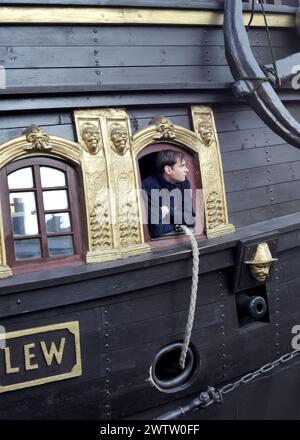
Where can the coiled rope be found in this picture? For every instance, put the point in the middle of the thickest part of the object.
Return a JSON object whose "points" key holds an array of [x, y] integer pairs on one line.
{"points": [[192, 308]]}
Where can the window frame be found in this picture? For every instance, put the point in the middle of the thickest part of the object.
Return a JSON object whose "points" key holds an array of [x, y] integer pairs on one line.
{"points": [[74, 203], [196, 183]]}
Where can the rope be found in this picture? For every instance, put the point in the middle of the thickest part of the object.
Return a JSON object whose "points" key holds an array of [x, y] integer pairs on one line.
{"points": [[278, 80], [191, 315], [251, 17]]}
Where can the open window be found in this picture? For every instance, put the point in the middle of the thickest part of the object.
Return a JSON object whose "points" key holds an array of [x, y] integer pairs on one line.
{"points": [[41, 213], [146, 164]]}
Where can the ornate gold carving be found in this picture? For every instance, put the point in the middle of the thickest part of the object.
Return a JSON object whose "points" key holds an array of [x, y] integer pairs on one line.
{"points": [[90, 137], [119, 138], [205, 129], [215, 209], [100, 227], [261, 262], [114, 223], [164, 128], [38, 139]]}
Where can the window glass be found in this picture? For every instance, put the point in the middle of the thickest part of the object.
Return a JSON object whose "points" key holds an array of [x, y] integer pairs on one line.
{"points": [[59, 222], [51, 177], [54, 200], [20, 179], [60, 246], [27, 249], [23, 213]]}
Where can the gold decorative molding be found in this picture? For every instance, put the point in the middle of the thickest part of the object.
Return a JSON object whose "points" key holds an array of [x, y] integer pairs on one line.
{"points": [[215, 206], [37, 139], [164, 128], [131, 16], [5, 271], [114, 222]]}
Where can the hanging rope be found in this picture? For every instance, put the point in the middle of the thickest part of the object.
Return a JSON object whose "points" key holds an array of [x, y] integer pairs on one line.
{"points": [[191, 315], [278, 80], [251, 16]]}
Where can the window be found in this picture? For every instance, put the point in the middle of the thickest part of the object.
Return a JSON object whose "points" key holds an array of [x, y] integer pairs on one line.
{"points": [[146, 161], [40, 212]]}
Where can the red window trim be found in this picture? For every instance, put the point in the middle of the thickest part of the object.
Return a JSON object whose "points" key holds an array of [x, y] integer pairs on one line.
{"points": [[40, 264]]}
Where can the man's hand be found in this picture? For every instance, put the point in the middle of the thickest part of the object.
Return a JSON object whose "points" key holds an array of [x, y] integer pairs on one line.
{"points": [[164, 211]]}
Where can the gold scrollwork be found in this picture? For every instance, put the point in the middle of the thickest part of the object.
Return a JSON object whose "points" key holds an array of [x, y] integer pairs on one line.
{"points": [[100, 227], [164, 128], [215, 209], [37, 138]]}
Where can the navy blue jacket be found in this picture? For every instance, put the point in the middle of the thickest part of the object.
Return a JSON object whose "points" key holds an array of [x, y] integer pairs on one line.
{"points": [[177, 213]]}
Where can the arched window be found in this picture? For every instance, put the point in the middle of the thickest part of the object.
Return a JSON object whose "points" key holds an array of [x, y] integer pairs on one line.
{"points": [[146, 161], [41, 212]]}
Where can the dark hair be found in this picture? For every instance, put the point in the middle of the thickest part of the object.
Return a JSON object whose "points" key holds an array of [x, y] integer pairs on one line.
{"points": [[167, 157]]}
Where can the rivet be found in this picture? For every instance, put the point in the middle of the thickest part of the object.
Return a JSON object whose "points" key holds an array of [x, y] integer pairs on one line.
{"points": [[18, 301]]}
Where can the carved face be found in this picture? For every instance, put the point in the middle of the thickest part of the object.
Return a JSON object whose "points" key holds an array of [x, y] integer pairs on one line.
{"points": [[119, 138], [165, 125], [206, 133], [260, 271], [91, 137]]}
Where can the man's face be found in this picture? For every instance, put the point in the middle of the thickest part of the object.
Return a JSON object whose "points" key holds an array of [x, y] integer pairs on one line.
{"points": [[178, 172], [260, 271], [119, 138], [205, 132], [91, 138]]}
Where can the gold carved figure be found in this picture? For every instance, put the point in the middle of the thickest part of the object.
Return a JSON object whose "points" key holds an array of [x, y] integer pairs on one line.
{"points": [[37, 138], [261, 262], [91, 137], [164, 128], [119, 138], [205, 130]]}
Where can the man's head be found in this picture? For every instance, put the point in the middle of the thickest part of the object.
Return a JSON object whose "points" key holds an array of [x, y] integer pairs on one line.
{"points": [[261, 262], [171, 165], [91, 137], [205, 131], [119, 138]]}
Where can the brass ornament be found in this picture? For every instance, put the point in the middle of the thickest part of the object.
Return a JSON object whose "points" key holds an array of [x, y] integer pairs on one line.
{"points": [[205, 129], [119, 138], [114, 222], [215, 209], [38, 139], [90, 137], [261, 262], [164, 128]]}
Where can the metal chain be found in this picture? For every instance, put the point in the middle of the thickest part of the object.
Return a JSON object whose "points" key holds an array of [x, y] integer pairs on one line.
{"points": [[263, 370], [215, 395]]}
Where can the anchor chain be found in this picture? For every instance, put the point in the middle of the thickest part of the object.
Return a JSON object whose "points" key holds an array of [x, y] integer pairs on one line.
{"points": [[215, 395]]}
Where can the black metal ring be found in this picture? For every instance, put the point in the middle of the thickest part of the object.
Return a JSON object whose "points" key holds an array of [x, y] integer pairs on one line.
{"points": [[183, 376]]}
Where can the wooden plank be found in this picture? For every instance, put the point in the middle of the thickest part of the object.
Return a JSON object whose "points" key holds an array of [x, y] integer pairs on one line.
{"points": [[255, 215], [108, 56], [262, 176], [114, 78], [272, 194], [259, 157]]}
